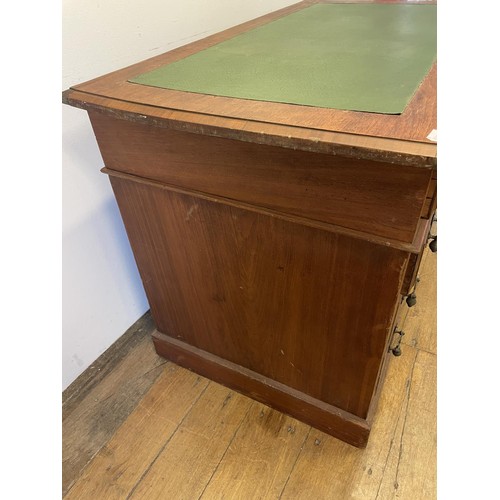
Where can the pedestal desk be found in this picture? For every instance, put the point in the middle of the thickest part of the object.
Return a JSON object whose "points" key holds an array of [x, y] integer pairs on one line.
{"points": [[277, 243]]}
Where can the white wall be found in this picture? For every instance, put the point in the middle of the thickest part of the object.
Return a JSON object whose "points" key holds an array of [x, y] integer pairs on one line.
{"points": [[102, 291]]}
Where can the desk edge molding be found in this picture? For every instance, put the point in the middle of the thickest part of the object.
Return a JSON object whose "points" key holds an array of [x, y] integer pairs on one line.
{"points": [[397, 151]]}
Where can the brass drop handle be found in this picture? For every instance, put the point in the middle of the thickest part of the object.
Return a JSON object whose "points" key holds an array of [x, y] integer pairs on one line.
{"points": [[411, 300], [433, 245], [396, 350]]}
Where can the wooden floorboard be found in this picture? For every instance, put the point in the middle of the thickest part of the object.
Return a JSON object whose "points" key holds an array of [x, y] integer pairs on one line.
{"points": [[189, 460], [260, 458], [411, 465], [102, 398], [190, 438], [421, 322], [120, 465], [329, 468]]}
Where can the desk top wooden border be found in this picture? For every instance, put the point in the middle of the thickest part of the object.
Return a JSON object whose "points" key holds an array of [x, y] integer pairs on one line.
{"points": [[394, 138]]}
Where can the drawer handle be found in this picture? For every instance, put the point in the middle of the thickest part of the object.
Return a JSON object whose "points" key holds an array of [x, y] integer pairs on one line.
{"points": [[433, 245], [396, 350], [411, 300]]}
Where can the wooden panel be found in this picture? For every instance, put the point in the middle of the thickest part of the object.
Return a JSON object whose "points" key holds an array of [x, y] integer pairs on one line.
{"points": [[411, 272], [431, 191], [427, 208], [378, 198], [308, 308], [431, 199]]}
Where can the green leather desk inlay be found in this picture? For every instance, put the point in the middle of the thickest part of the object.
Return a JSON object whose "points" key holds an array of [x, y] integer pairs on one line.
{"points": [[361, 57]]}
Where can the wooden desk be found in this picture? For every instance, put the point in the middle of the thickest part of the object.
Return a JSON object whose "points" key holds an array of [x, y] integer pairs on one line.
{"points": [[276, 243]]}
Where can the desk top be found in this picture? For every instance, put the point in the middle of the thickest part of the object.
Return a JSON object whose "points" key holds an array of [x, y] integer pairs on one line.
{"points": [[356, 57], [397, 138]]}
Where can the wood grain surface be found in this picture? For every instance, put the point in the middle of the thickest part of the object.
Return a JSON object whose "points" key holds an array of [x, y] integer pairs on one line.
{"points": [[411, 464], [378, 198], [331, 419], [111, 474], [199, 445], [266, 447], [415, 247], [313, 314]]}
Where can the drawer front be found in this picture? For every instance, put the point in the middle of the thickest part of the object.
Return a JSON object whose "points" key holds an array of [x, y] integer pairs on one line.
{"points": [[430, 202], [415, 259], [411, 272], [377, 198]]}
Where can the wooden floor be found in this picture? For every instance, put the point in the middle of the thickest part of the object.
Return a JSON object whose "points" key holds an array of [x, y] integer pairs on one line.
{"points": [[137, 426]]}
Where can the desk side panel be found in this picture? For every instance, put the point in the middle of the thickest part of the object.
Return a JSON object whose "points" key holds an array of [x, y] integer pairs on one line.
{"points": [[305, 307], [378, 198]]}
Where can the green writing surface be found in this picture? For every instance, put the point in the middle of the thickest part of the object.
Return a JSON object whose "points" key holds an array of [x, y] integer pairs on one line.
{"points": [[362, 57]]}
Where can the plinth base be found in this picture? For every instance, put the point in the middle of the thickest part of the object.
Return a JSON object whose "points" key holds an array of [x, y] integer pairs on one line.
{"points": [[325, 417]]}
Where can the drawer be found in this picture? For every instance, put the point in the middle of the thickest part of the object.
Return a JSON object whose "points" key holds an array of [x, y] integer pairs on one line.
{"points": [[391, 340], [376, 198], [430, 202], [411, 272], [415, 259]]}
